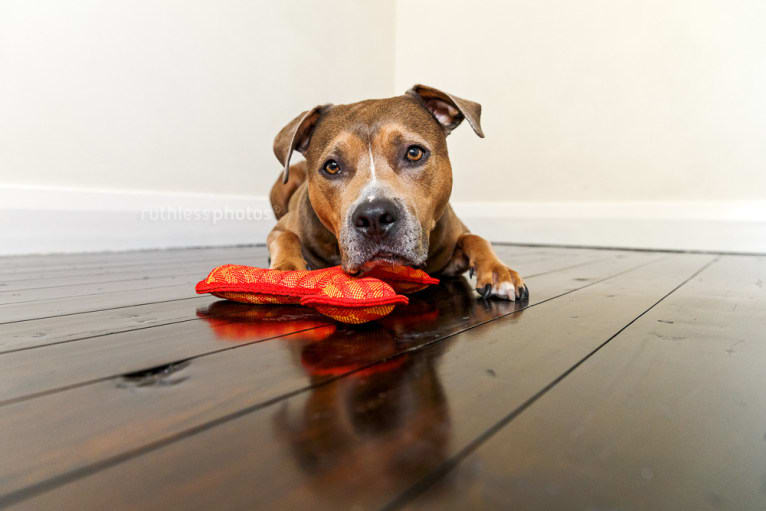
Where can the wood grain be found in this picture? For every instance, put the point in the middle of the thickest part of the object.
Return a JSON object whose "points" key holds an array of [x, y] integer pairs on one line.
{"points": [[671, 414], [631, 380], [86, 325], [252, 458], [52, 302], [126, 416]]}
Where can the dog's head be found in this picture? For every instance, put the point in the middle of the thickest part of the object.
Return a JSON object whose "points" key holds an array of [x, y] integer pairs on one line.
{"points": [[379, 175]]}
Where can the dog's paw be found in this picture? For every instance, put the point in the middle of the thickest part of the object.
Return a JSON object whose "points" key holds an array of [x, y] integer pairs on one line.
{"points": [[496, 280], [288, 266]]}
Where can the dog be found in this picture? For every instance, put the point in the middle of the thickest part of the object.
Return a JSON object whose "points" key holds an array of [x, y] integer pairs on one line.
{"points": [[374, 188]]}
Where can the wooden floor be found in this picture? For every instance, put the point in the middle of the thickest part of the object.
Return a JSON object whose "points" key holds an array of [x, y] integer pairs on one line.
{"points": [[630, 380]]}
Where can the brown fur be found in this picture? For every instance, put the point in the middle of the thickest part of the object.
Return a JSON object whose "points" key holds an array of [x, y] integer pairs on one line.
{"points": [[369, 139]]}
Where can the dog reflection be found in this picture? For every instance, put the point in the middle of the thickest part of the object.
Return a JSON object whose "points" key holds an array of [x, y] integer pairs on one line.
{"points": [[384, 424], [376, 417], [381, 424]]}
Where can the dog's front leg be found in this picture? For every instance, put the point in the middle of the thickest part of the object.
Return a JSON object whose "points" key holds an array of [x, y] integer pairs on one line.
{"points": [[285, 249], [493, 278]]}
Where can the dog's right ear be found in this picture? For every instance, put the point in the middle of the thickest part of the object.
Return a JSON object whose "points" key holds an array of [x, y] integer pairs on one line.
{"points": [[296, 136]]}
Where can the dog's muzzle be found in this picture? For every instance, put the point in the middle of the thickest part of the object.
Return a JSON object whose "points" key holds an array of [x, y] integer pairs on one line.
{"points": [[381, 229]]}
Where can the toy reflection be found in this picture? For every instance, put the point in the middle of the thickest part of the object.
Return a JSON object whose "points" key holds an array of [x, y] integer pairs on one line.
{"points": [[376, 414], [243, 322]]}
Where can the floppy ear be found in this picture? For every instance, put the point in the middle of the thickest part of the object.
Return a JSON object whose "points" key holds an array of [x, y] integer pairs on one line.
{"points": [[296, 136], [448, 109]]}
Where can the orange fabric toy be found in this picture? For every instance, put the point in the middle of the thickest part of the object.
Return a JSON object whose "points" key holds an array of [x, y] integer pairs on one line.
{"points": [[330, 291]]}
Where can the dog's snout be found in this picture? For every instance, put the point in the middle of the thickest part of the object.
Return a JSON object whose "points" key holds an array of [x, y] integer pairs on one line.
{"points": [[376, 218]]}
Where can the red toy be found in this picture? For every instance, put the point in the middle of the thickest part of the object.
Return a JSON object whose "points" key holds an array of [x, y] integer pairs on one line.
{"points": [[330, 291]]}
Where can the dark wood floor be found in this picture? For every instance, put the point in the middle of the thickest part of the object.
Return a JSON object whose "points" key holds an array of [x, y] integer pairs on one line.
{"points": [[630, 380]]}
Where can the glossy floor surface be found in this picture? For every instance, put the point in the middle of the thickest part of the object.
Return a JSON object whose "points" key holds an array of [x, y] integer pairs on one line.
{"points": [[629, 380]]}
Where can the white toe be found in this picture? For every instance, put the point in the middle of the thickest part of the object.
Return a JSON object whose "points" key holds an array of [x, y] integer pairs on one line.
{"points": [[504, 290]]}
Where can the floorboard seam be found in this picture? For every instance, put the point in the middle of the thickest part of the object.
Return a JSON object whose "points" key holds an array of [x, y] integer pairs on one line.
{"points": [[202, 274], [104, 264], [424, 484], [628, 249], [110, 308], [116, 292], [48, 392], [67, 477], [586, 263], [101, 310], [66, 341], [104, 268], [94, 283], [96, 336], [106, 378]]}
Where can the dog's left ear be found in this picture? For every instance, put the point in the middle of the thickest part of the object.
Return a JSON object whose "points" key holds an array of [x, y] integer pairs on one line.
{"points": [[296, 136], [448, 109]]}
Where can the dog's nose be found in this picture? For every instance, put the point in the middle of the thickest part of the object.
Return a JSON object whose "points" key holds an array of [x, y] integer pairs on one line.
{"points": [[375, 218]]}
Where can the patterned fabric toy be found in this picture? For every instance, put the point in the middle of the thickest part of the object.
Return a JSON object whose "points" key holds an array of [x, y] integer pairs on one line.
{"points": [[330, 291]]}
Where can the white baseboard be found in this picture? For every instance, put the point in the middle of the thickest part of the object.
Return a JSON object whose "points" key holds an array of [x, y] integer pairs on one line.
{"points": [[50, 219], [715, 226]]}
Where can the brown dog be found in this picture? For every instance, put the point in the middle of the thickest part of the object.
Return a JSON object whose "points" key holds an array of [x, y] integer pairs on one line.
{"points": [[375, 187]]}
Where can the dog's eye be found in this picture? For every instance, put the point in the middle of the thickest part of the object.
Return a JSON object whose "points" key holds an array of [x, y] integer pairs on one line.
{"points": [[414, 153], [332, 167]]}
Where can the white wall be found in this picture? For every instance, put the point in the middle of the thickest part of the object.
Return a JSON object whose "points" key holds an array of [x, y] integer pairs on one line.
{"points": [[603, 110], [110, 110], [175, 95], [599, 99], [609, 122]]}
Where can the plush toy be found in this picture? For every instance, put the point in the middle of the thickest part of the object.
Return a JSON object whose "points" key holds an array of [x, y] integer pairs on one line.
{"points": [[330, 291]]}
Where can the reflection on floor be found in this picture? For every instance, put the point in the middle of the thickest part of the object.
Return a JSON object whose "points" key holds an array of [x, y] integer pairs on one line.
{"points": [[628, 380]]}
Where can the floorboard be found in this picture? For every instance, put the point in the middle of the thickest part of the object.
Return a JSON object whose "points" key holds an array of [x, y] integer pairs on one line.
{"points": [[129, 259], [119, 294], [90, 325], [630, 380], [27, 277], [71, 280], [83, 284], [671, 414], [87, 325], [475, 352], [27, 373], [15, 312], [222, 382], [33, 333], [93, 292]]}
